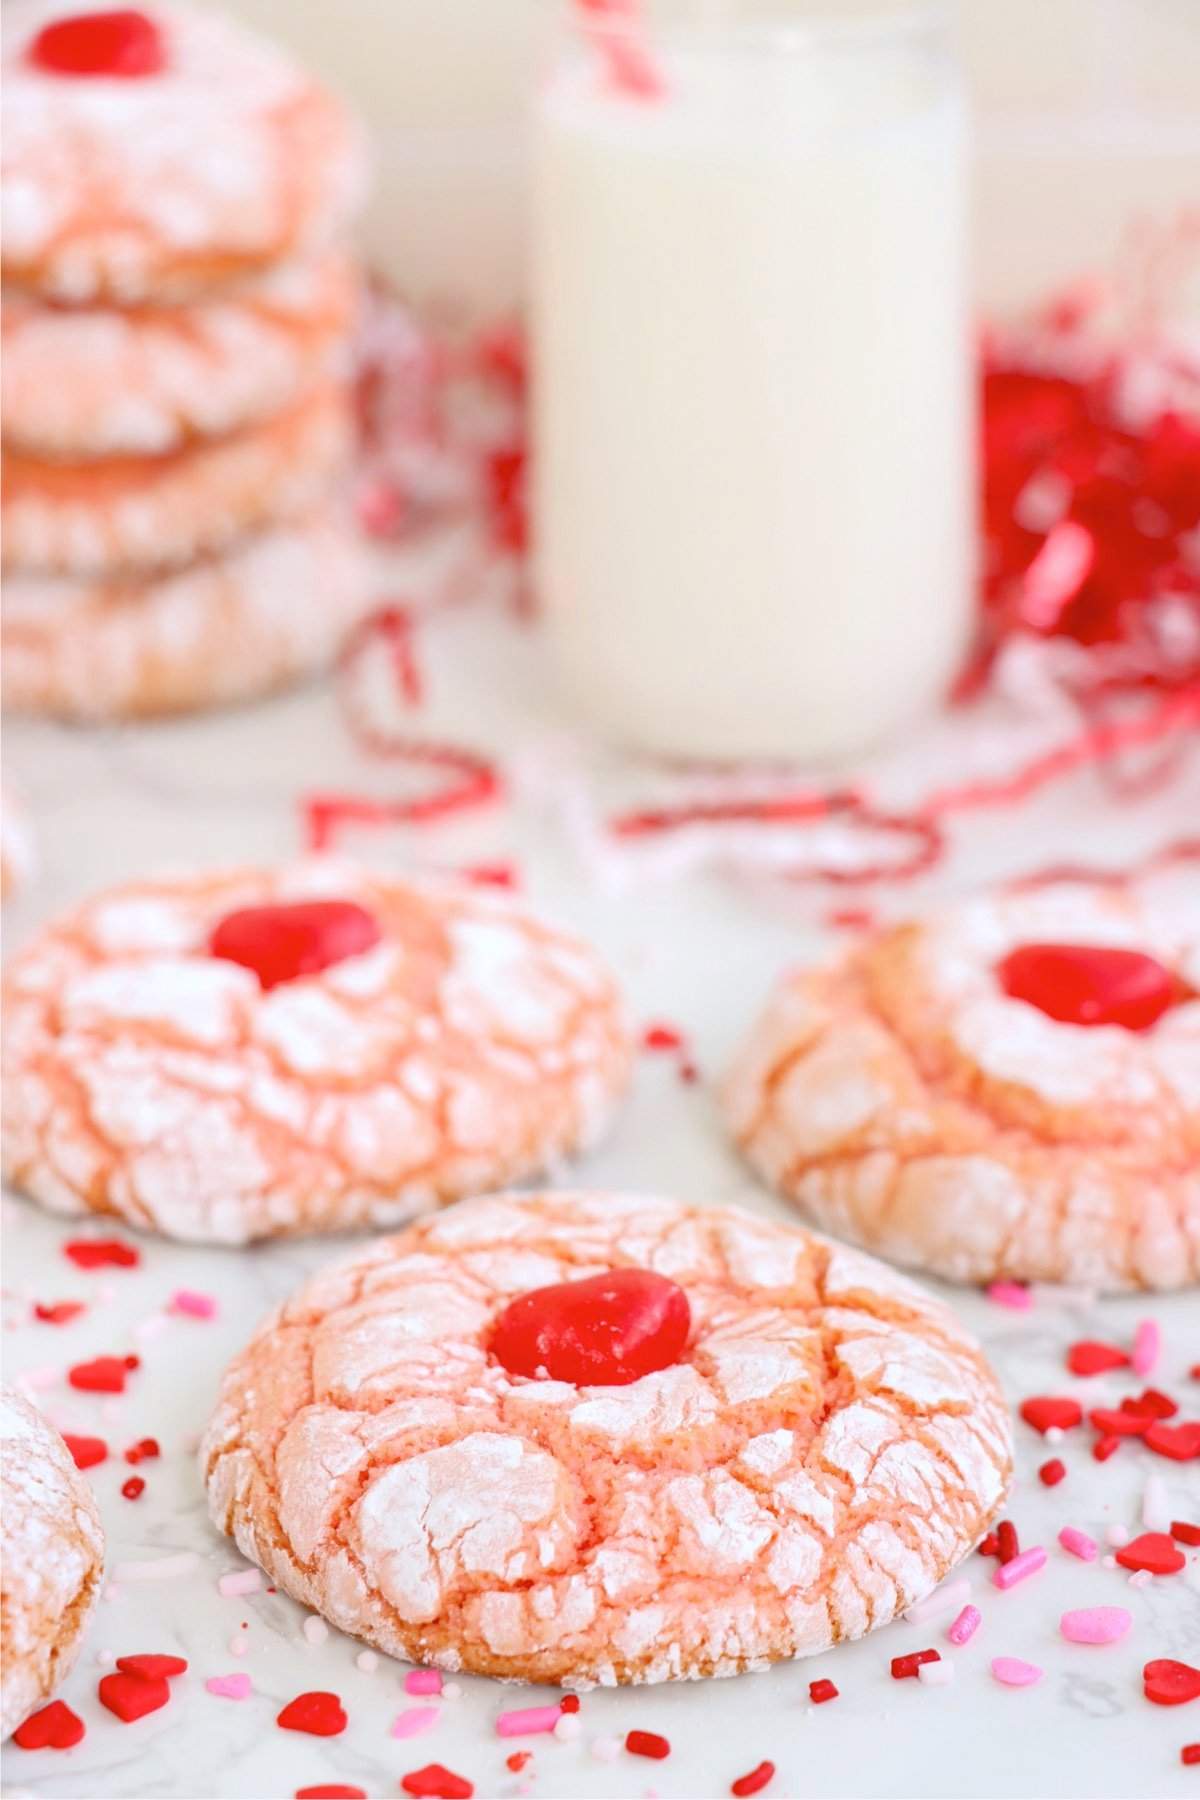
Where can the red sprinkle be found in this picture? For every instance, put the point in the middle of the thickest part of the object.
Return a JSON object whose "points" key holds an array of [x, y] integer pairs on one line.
{"points": [[100, 1253], [662, 1037], [1052, 1472], [58, 1312], [647, 1743], [1190, 1754], [989, 1544], [291, 939], [438, 1783], [1151, 1403], [1114, 1423], [86, 1452], [821, 1691], [1170, 1683], [1105, 1447], [134, 1488], [142, 1451], [319, 1714], [1183, 1533], [1154, 1551], [152, 1667], [904, 1666], [130, 1697], [516, 1762], [53, 1727], [1090, 984], [1180, 1442], [121, 46], [331, 1791], [755, 1781], [1007, 1543], [1090, 1358], [605, 1330], [569, 1703], [1043, 1411], [103, 1375]]}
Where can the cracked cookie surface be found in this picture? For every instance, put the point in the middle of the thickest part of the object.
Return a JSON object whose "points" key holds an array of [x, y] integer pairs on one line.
{"points": [[830, 1444], [471, 1046], [907, 1103]]}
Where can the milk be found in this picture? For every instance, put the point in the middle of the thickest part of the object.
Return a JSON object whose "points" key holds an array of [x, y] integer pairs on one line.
{"points": [[753, 392]]}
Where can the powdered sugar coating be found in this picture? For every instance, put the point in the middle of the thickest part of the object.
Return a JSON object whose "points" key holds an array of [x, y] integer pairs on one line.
{"points": [[141, 381], [131, 514], [146, 1078], [225, 628], [832, 1443], [229, 159], [907, 1103], [53, 1557]]}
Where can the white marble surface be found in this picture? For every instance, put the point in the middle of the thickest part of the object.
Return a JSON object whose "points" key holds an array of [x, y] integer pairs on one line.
{"points": [[698, 950]]}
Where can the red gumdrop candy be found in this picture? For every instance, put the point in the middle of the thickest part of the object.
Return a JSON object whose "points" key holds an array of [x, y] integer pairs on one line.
{"points": [[123, 45], [1090, 984], [605, 1331], [302, 937]]}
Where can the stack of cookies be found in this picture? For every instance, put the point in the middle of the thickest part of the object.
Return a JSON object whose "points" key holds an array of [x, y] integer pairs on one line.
{"points": [[177, 416]]}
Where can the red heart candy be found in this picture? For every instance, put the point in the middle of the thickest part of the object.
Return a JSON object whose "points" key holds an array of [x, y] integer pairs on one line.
{"points": [[86, 1452], [604, 1331], [1155, 1551], [1180, 1442], [283, 942], [1042, 1411], [1090, 1358], [120, 45], [321, 1715], [1170, 1683], [54, 1727], [1151, 1404], [58, 1312], [1090, 984], [437, 1783], [152, 1668], [335, 1791], [1115, 1422], [103, 1375], [99, 1253], [130, 1697]]}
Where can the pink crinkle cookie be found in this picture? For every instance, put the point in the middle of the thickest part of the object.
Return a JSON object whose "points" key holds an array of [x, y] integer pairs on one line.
{"points": [[18, 853], [53, 1558], [254, 1053], [161, 154], [728, 1442], [1009, 1089]]}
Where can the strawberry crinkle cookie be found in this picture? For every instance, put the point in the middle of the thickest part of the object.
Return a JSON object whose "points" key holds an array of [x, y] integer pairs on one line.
{"points": [[582, 1438], [53, 1558], [255, 1053], [1008, 1089], [154, 155]]}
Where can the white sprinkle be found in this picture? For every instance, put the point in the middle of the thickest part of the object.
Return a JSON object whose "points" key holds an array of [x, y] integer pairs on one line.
{"points": [[1054, 1434], [1156, 1511], [1108, 1562], [1117, 1536], [568, 1728], [150, 1327], [606, 1749], [1140, 1578], [238, 1645], [451, 1690], [104, 1658], [936, 1674], [315, 1629], [953, 1594], [367, 1661], [239, 1581], [110, 1591]]}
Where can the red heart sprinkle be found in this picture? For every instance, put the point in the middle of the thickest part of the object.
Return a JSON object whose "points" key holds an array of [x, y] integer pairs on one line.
{"points": [[604, 1331], [152, 1668], [103, 1375], [320, 1714], [134, 1488], [1090, 1358], [58, 1312], [1090, 984], [1155, 1551], [121, 45], [338, 1791], [1184, 1533], [1151, 1404], [1170, 1683], [142, 1451], [54, 1727], [99, 1253], [86, 1452], [282, 943], [516, 1762], [1105, 1447], [1180, 1442], [129, 1697], [437, 1783], [1042, 1412], [1114, 1423]]}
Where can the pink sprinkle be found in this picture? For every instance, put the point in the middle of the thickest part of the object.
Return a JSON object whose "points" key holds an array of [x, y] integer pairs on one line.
{"points": [[1096, 1624], [1078, 1543], [239, 1581], [1012, 1671], [1147, 1344], [238, 1645], [965, 1626], [527, 1720], [1011, 1294], [1140, 1578], [197, 1306], [1117, 1536], [940, 1601], [229, 1687], [423, 1681], [414, 1721], [1027, 1563], [37, 1380]]}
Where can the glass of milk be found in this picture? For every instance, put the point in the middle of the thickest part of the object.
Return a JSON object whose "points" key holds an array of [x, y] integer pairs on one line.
{"points": [[753, 381]]}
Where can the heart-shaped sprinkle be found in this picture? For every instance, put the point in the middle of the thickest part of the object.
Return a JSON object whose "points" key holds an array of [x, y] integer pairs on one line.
{"points": [[86, 1452], [103, 1375], [1170, 1683], [1091, 1358], [1042, 1411], [53, 1727], [433, 1782], [102, 1253], [604, 1331], [152, 1668], [120, 45], [284, 942], [1090, 984], [1180, 1442], [1154, 1551], [58, 1312], [1115, 1423], [319, 1714], [336, 1790], [130, 1697], [1151, 1404]]}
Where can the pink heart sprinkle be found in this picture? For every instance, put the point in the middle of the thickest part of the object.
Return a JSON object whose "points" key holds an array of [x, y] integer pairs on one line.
{"points": [[1015, 1673], [229, 1687], [416, 1720]]}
